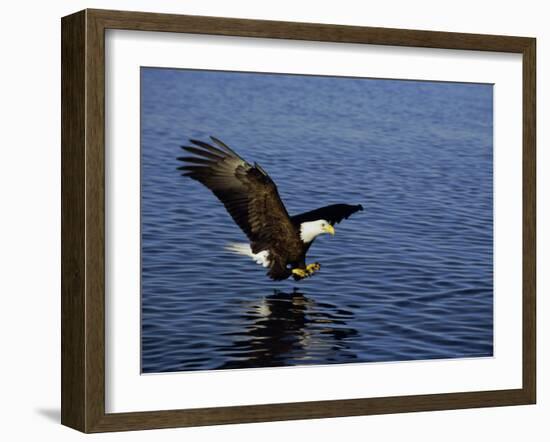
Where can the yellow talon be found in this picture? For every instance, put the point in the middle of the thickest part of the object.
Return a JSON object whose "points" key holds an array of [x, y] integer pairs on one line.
{"points": [[301, 273], [312, 268]]}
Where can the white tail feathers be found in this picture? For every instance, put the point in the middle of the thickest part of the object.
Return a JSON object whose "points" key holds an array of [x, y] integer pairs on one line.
{"points": [[245, 250], [239, 249]]}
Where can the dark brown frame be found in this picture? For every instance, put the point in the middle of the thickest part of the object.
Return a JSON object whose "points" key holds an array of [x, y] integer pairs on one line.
{"points": [[83, 216]]}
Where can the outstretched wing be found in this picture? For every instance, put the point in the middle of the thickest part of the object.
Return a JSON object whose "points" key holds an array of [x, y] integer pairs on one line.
{"points": [[249, 195], [333, 214]]}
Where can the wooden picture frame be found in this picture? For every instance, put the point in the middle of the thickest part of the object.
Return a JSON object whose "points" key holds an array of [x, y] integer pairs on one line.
{"points": [[83, 220]]}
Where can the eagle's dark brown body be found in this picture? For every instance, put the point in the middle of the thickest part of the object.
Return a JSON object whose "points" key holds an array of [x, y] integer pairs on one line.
{"points": [[251, 198]]}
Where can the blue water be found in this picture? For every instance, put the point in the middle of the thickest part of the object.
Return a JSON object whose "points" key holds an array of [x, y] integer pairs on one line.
{"points": [[409, 278]]}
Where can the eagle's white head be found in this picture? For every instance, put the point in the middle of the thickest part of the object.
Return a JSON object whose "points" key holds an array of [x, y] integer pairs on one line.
{"points": [[312, 229]]}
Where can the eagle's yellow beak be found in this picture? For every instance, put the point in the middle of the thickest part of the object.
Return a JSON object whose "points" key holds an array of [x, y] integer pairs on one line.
{"points": [[330, 229]]}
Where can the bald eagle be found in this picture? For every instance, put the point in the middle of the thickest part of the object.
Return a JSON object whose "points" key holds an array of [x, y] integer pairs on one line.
{"points": [[277, 240]]}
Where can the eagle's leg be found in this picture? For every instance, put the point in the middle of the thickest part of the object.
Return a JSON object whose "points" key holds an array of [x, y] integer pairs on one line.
{"points": [[299, 273]]}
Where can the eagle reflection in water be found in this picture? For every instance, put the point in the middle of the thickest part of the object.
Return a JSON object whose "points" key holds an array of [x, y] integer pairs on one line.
{"points": [[291, 329]]}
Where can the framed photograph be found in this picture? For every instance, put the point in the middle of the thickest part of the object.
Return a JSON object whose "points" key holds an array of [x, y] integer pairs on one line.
{"points": [[269, 220]]}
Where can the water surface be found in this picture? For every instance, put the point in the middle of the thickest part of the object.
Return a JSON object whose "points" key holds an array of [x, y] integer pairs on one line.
{"points": [[409, 278]]}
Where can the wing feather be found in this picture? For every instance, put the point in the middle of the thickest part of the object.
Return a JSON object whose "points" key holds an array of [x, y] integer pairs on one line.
{"points": [[249, 195], [333, 213], [202, 153], [196, 161]]}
